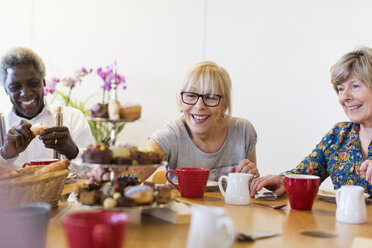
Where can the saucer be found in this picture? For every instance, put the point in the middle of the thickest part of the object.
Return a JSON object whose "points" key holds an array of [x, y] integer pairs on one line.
{"points": [[330, 195]]}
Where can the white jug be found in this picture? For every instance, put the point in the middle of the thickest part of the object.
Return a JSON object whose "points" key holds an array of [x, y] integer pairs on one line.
{"points": [[237, 190], [351, 206], [210, 228]]}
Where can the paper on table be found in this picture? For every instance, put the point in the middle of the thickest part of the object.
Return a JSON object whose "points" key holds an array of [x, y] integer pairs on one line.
{"points": [[361, 242], [175, 212], [265, 195]]}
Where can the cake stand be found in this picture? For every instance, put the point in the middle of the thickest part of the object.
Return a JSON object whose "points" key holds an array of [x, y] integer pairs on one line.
{"points": [[114, 124], [82, 168]]}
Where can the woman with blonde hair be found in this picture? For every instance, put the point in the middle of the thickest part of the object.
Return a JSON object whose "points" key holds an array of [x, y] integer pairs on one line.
{"points": [[206, 135], [345, 152]]}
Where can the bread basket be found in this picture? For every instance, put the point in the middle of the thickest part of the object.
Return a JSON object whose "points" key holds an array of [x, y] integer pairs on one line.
{"points": [[27, 188]]}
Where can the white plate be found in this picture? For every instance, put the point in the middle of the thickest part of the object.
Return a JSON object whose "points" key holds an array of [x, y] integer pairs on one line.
{"points": [[71, 199], [330, 195]]}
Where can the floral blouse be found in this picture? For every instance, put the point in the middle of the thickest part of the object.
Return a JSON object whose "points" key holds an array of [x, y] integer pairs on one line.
{"points": [[339, 156]]}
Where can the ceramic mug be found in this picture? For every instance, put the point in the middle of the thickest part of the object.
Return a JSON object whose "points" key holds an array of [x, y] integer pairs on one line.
{"points": [[351, 206], [237, 190], [301, 190], [210, 228], [191, 181], [40, 162], [25, 226], [96, 229]]}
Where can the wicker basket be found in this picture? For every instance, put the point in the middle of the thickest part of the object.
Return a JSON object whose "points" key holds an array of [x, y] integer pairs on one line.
{"points": [[28, 188]]}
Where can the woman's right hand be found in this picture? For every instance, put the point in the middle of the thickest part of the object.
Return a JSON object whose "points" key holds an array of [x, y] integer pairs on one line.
{"points": [[17, 140], [270, 182]]}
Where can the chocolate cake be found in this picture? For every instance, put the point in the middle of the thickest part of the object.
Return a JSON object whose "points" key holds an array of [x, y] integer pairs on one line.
{"points": [[98, 154], [100, 110]]}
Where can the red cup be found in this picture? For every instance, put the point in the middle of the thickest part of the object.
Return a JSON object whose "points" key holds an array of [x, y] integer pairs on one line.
{"points": [[40, 162], [191, 181], [301, 190], [96, 229]]}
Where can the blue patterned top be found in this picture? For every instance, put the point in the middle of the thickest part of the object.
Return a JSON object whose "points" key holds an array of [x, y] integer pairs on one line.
{"points": [[337, 155]]}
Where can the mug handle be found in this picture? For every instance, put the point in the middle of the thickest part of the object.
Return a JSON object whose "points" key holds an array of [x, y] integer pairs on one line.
{"points": [[101, 236], [338, 195], [170, 181], [25, 165], [223, 192], [226, 222]]}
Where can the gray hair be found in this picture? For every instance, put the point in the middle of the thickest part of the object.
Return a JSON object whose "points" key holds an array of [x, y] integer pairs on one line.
{"points": [[358, 62], [20, 55]]}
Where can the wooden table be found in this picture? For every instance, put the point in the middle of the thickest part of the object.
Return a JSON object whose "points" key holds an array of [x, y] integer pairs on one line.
{"points": [[157, 233]]}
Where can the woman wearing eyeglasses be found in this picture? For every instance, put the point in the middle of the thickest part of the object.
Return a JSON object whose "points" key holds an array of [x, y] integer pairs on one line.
{"points": [[206, 135]]}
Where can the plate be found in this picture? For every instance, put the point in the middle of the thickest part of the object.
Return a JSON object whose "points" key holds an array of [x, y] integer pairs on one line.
{"points": [[71, 200], [98, 119], [330, 195], [80, 162]]}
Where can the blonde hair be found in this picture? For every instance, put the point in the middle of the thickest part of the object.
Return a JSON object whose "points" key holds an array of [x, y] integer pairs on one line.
{"points": [[358, 62], [212, 78]]}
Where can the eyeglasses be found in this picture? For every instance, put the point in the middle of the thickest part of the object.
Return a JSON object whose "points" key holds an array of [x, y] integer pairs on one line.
{"points": [[191, 98]]}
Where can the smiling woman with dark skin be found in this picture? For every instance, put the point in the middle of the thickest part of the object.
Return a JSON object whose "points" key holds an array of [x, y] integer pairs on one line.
{"points": [[22, 75]]}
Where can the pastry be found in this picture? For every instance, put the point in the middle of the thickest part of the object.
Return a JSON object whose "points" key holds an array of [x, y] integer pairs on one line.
{"points": [[121, 155], [7, 172], [131, 112], [128, 180], [90, 197], [56, 166], [113, 109], [99, 154], [38, 127], [163, 194], [141, 194], [100, 110]]}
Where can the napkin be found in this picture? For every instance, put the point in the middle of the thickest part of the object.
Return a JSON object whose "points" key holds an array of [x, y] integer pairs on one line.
{"points": [[174, 212], [253, 235], [265, 195]]}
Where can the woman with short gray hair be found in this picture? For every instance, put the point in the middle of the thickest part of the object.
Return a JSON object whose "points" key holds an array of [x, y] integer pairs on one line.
{"points": [[345, 152]]}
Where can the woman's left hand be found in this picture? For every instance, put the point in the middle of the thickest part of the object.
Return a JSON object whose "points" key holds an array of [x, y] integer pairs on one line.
{"points": [[246, 166], [59, 139], [366, 168]]}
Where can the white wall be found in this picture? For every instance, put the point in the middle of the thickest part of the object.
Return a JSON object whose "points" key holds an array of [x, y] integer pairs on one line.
{"points": [[278, 54]]}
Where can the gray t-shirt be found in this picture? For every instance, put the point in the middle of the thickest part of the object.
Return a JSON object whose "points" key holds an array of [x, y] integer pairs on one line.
{"points": [[182, 152]]}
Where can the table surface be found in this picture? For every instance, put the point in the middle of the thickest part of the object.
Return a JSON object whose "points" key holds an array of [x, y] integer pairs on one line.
{"points": [[152, 232]]}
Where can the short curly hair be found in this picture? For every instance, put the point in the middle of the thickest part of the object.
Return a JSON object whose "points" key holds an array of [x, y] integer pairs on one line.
{"points": [[20, 55]]}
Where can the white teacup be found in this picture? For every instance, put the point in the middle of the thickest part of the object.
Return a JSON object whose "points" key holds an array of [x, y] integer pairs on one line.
{"points": [[237, 190], [210, 228], [351, 206]]}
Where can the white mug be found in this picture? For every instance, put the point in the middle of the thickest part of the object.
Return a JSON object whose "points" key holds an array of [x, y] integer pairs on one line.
{"points": [[237, 190], [210, 228], [351, 206]]}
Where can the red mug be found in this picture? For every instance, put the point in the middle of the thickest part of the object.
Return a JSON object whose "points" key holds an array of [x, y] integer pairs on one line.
{"points": [[40, 162], [301, 190], [96, 229], [191, 181]]}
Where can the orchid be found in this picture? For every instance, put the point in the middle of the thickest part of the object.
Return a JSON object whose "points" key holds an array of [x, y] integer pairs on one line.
{"points": [[111, 80], [110, 77]]}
